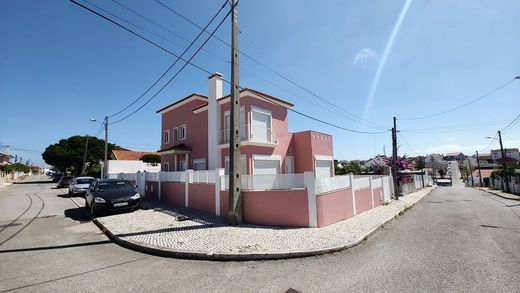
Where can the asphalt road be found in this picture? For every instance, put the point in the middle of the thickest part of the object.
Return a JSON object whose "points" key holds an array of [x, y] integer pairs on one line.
{"points": [[455, 239]]}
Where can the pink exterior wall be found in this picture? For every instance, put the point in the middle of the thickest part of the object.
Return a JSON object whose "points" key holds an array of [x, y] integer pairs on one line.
{"points": [[363, 200], [148, 190], [276, 208], [196, 131], [224, 203], [378, 196], [308, 143], [202, 197], [173, 192], [279, 124], [333, 207]]}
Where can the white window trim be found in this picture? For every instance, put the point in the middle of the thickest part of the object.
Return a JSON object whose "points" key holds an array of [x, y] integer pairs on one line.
{"points": [[266, 158], [167, 131], [185, 132], [323, 158], [264, 112], [173, 134]]}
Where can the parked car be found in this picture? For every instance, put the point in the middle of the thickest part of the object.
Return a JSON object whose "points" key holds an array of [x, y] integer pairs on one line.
{"points": [[444, 182], [80, 185], [56, 177], [107, 195], [64, 181]]}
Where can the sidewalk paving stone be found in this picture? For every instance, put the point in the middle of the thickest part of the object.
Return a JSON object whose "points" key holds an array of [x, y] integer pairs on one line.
{"points": [[182, 232]]}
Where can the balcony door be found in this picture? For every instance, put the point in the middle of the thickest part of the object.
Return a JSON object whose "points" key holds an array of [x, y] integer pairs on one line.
{"points": [[260, 125], [227, 125]]}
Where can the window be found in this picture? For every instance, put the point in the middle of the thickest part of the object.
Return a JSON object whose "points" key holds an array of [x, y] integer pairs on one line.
{"points": [[243, 166], [166, 167], [166, 138], [227, 122], [183, 165], [261, 125], [175, 135], [183, 132], [199, 164]]}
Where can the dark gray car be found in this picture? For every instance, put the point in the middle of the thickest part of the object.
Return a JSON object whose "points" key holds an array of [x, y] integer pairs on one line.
{"points": [[106, 195]]}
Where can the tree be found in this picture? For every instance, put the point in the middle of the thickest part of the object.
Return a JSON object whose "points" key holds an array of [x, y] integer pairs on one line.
{"points": [[151, 158], [68, 153], [353, 167]]}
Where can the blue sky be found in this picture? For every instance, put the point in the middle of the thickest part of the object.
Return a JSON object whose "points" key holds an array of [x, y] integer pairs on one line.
{"points": [[61, 65]]}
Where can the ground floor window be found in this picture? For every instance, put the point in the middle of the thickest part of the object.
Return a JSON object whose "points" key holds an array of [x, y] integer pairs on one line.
{"points": [[166, 166], [199, 164], [266, 165], [243, 165]]}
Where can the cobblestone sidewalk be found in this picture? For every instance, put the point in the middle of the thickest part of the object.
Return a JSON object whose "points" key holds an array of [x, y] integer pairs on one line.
{"points": [[181, 232]]}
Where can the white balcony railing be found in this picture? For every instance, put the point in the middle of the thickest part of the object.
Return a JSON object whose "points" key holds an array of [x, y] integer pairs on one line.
{"points": [[267, 182], [249, 132]]}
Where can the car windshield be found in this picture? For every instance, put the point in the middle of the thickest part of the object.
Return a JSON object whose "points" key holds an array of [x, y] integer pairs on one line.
{"points": [[114, 185], [84, 181]]}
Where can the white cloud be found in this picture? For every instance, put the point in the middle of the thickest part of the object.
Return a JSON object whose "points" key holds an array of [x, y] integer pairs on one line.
{"points": [[364, 54]]}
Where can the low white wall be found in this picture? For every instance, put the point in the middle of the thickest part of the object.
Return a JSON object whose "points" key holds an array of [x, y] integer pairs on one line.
{"points": [[128, 166]]}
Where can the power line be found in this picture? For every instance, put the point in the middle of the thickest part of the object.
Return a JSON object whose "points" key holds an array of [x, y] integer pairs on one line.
{"points": [[463, 105], [491, 143], [512, 123], [333, 110], [167, 29], [178, 72], [204, 70], [352, 117], [171, 66]]}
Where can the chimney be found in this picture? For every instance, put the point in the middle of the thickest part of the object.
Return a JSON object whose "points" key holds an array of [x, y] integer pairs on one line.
{"points": [[214, 131]]}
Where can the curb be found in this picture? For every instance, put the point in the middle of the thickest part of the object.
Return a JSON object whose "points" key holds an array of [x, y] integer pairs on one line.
{"points": [[5, 185], [499, 195], [200, 255]]}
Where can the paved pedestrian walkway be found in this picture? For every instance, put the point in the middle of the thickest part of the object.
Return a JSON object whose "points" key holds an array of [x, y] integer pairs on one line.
{"points": [[501, 193], [181, 232]]}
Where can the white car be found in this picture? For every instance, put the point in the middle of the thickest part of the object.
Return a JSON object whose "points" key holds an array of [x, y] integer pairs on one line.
{"points": [[80, 185]]}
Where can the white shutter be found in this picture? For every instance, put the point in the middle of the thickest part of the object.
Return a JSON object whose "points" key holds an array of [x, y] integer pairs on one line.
{"points": [[266, 167], [323, 168]]}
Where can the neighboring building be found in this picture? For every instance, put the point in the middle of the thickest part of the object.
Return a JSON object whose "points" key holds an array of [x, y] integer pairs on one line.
{"points": [[5, 158], [375, 162], [124, 154], [126, 161], [434, 158], [512, 153], [454, 157], [195, 135]]}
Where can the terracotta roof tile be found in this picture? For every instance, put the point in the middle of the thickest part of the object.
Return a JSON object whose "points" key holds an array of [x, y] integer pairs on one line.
{"points": [[129, 155]]}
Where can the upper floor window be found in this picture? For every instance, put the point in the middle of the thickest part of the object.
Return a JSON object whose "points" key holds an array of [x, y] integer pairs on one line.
{"points": [[166, 138], [183, 132], [175, 136]]}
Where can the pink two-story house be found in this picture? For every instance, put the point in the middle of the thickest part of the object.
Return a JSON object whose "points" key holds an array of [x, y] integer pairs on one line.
{"points": [[195, 135]]}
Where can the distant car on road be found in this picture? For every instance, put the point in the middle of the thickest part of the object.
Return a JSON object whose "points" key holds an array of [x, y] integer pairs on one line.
{"points": [[444, 182], [106, 195], [80, 185], [56, 177], [64, 181]]}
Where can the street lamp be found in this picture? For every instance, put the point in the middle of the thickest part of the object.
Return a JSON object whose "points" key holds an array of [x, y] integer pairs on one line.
{"points": [[105, 170]]}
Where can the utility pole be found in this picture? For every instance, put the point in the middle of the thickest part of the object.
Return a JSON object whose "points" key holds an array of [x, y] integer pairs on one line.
{"points": [[85, 157], [470, 173], [235, 188], [504, 173], [479, 174], [394, 160], [105, 164]]}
